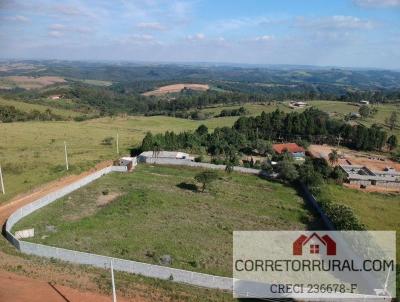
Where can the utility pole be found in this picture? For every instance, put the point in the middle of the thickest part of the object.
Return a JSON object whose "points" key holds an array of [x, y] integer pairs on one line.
{"points": [[117, 143], [339, 139], [1, 181], [113, 283], [66, 155]]}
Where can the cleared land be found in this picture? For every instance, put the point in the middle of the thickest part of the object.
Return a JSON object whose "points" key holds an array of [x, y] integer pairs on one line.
{"points": [[352, 157], [29, 82], [176, 88], [157, 211]]}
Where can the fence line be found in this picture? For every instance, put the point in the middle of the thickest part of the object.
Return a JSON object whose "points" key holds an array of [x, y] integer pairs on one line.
{"points": [[145, 269], [183, 162], [129, 266]]}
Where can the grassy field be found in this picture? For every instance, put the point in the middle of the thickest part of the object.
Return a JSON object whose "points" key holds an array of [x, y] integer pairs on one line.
{"points": [[29, 107], [156, 211], [378, 211], [32, 153]]}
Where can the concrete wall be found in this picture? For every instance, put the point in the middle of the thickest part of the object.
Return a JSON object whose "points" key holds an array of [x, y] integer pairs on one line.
{"points": [[188, 163], [148, 270]]}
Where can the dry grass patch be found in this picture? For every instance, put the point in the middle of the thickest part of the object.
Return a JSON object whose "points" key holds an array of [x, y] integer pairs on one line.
{"points": [[176, 88]]}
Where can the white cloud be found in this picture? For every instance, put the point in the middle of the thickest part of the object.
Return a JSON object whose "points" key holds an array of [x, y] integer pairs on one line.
{"points": [[55, 34], [60, 29], [196, 37], [264, 38], [377, 3], [335, 23], [69, 10], [18, 18], [57, 27], [151, 26], [238, 23]]}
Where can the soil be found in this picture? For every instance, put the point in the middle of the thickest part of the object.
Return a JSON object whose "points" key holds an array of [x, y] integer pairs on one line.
{"points": [[351, 157]]}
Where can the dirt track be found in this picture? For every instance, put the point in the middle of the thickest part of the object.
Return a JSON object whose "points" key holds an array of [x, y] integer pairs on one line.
{"points": [[15, 288]]}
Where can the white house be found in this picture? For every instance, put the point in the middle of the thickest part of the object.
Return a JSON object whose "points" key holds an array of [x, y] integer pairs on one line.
{"points": [[164, 155]]}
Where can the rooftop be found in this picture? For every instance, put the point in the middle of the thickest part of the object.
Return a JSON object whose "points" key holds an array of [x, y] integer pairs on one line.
{"points": [[289, 147]]}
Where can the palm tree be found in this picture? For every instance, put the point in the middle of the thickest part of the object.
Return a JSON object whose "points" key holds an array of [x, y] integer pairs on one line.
{"points": [[333, 157]]}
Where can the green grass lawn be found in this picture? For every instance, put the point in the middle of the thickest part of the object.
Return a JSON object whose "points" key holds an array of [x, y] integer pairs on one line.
{"points": [[32, 153], [156, 210], [378, 211]]}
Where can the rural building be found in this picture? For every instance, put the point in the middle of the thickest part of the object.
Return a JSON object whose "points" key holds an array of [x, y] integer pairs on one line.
{"points": [[55, 97], [164, 155], [363, 176], [129, 162], [295, 150], [355, 115], [364, 102], [297, 104]]}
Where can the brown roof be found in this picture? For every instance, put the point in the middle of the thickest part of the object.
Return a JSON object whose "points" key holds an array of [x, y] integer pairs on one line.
{"points": [[290, 147]]}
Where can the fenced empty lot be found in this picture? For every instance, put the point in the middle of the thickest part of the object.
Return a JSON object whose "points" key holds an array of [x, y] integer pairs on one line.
{"points": [[157, 211]]}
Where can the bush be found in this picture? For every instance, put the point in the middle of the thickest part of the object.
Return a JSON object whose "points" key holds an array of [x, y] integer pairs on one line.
{"points": [[342, 216], [206, 178], [108, 141]]}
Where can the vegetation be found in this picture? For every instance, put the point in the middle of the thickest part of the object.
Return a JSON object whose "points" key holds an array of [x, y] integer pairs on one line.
{"points": [[32, 153], [157, 211], [206, 178], [10, 114]]}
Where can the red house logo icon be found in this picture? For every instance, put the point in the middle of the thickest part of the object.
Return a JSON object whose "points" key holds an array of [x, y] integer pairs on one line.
{"points": [[315, 244]]}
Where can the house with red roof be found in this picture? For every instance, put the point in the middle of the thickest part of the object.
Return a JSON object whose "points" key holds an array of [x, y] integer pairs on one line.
{"points": [[295, 150]]}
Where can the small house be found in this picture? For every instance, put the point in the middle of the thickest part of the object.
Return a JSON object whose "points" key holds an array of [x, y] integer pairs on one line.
{"points": [[129, 162], [293, 149]]}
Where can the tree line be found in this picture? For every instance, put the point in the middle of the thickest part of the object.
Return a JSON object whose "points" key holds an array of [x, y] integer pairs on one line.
{"points": [[10, 114]]}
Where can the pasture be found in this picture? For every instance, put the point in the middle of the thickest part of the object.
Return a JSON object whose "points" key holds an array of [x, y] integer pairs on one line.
{"points": [[29, 82], [32, 153], [26, 107], [157, 210]]}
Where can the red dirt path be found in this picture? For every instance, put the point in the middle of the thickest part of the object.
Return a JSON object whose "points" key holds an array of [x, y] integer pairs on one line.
{"points": [[15, 288]]}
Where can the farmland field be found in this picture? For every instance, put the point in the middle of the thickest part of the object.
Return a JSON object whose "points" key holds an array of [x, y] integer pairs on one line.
{"points": [[29, 82], [156, 210], [176, 88]]}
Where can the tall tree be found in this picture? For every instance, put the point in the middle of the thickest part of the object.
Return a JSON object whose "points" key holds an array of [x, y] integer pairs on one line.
{"points": [[333, 157], [364, 111], [393, 120], [392, 142]]}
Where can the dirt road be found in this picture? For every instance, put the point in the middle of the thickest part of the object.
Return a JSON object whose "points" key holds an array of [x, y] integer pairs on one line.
{"points": [[16, 288]]}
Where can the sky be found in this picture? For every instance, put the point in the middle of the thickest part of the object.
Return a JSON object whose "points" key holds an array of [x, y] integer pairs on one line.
{"points": [[348, 33]]}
